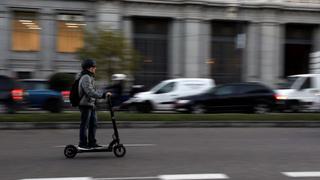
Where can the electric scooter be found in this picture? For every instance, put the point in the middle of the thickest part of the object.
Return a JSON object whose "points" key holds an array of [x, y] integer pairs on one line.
{"points": [[70, 151]]}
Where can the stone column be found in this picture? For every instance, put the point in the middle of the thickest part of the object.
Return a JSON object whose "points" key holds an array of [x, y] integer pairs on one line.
{"points": [[205, 49], [4, 39], [251, 60], [176, 48], [47, 44], [270, 53], [127, 28], [192, 48], [315, 52], [280, 63], [90, 20]]}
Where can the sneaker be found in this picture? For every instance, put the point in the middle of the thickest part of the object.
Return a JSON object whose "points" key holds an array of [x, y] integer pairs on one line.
{"points": [[95, 146], [81, 146]]}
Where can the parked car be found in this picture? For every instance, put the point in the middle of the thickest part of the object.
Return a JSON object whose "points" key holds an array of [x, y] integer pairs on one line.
{"points": [[234, 97], [300, 92], [40, 96], [163, 95], [12, 96]]}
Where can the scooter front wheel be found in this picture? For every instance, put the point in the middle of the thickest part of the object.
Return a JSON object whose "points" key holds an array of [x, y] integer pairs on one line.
{"points": [[70, 151], [119, 150]]}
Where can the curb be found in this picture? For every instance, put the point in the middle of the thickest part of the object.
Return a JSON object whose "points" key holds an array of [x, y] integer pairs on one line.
{"points": [[162, 124]]}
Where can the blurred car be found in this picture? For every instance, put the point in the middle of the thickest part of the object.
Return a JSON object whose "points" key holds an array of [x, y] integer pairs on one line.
{"points": [[163, 95], [12, 96], [40, 96], [300, 92], [234, 97]]}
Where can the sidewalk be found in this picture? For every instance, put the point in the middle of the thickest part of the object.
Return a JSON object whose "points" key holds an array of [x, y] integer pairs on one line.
{"points": [[161, 124]]}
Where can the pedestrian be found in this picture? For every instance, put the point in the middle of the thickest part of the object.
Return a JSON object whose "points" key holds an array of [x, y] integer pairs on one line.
{"points": [[117, 88], [88, 95]]}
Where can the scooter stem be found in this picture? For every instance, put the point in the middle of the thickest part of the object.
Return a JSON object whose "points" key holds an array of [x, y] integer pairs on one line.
{"points": [[114, 125]]}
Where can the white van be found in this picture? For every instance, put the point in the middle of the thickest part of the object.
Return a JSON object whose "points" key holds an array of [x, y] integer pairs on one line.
{"points": [[300, 92], [163, 95]]}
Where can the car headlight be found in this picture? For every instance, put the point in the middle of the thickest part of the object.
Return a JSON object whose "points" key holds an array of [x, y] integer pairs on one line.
{"points": [[183, 101], [281, 97]]}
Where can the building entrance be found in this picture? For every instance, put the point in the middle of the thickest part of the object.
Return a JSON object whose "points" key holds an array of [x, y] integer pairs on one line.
{"points": [[150, 38], [298, 46], [227, 44]]}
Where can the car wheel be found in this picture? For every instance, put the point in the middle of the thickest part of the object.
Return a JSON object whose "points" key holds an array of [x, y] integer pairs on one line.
{"points": [[145, 107], [295, 107], [148, 107], [132, 108], [6, 108], [261, 108], [53, 105], [198, 109]]}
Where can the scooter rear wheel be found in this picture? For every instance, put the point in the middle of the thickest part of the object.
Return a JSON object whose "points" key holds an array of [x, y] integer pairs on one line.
{"points": [[70, 151], [119, 150]]}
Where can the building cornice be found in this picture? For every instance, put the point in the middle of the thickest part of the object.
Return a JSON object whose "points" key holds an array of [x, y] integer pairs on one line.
{"points": [[265, 4]]}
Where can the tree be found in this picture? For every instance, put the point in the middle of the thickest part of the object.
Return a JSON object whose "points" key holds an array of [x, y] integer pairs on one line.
{"points": [[112, 52]]}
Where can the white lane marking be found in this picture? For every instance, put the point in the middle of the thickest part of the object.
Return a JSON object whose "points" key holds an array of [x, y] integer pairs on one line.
{"points": [[193, 176], [302, 174], [160, 177], [138, 145], [126, 145], [68, 178], [127, 178]]}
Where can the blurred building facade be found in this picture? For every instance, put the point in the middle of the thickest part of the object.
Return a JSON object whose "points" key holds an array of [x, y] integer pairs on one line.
{"points": [[227, 40]]}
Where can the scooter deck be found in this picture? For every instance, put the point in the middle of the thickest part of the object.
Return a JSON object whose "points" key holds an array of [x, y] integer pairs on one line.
{"points": [[100, 149]]}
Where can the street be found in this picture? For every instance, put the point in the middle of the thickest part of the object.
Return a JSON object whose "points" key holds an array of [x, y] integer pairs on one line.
{"points": [[171, 153]]}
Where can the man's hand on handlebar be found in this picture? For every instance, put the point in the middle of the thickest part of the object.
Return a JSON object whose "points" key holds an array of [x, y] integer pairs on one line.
{"points": [[107, 94]]}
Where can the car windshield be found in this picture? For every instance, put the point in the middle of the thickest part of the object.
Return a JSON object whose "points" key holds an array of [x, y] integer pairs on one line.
{"points": [[210, 91], [288, 83], [32, 85], [158, 86]]}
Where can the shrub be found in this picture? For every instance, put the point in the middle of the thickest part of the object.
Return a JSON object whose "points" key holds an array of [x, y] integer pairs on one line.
{"points": [[61, 81]]}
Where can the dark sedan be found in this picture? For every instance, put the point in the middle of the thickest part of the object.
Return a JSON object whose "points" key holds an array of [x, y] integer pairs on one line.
{"points": [[250, 97], [12, 96], [41, 96]]}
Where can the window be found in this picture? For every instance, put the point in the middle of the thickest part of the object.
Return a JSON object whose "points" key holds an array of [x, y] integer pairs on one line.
{"points": [[288, 83], [191, 86], [253, 89], [224, 90], [306, 84], [23, 75], [166, 88], [70, 33], [33, 85], [25, 32]]}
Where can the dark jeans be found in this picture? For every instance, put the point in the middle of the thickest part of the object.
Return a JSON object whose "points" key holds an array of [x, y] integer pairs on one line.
{"points": [[88, 121]]}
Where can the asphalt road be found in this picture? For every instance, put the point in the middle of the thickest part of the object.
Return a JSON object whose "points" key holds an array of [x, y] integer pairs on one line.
{"points": [[215, 153]]}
